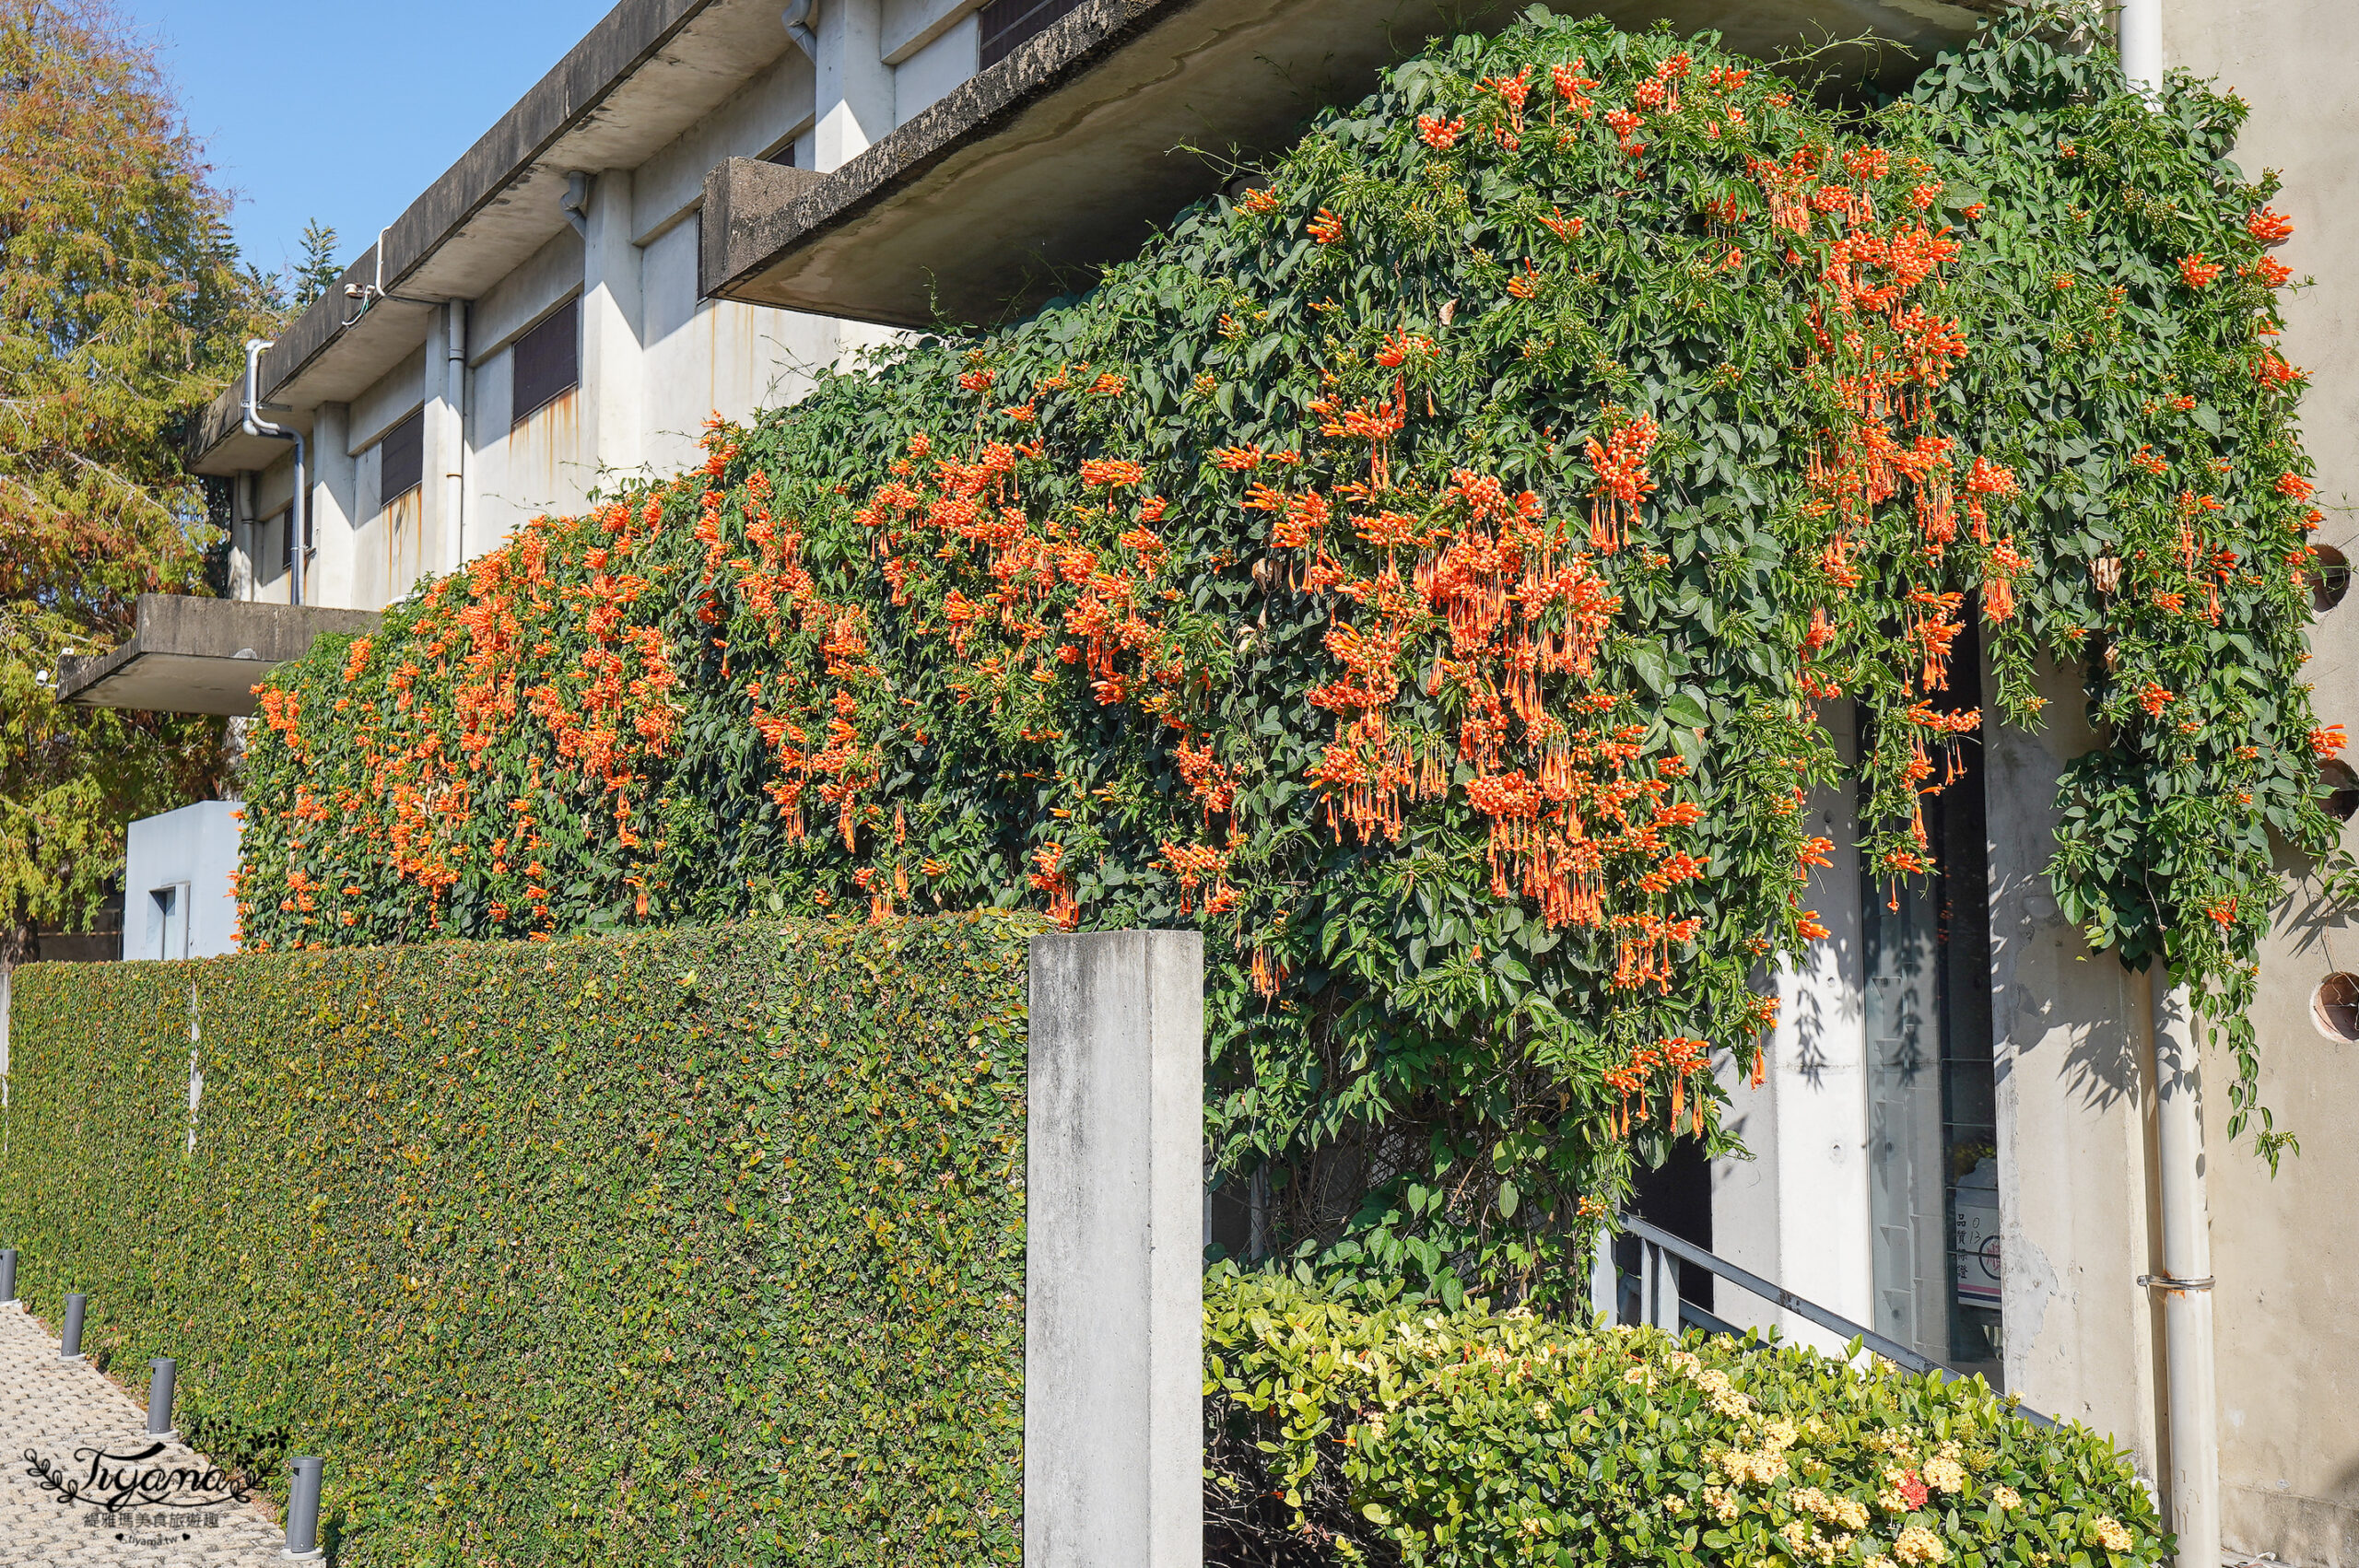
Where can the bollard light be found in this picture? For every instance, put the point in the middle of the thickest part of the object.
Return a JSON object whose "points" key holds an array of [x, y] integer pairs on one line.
{"points": [[8, 1276], [159, 1395], [71, 1349], [303, 1510]]}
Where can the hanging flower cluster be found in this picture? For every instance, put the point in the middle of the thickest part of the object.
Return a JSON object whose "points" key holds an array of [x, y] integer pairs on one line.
{"points": [[1431, 575]]}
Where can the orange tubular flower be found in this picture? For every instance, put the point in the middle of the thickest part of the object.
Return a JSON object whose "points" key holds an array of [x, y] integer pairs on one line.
{"points": [[1439, 135]]}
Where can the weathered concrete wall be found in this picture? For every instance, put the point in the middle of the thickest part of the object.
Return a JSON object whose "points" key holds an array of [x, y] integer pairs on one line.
{"points": [[2287, 1262], [2067, 1024]]}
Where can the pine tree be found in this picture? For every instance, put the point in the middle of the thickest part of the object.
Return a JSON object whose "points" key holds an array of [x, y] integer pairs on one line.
{"points": [[122, 306]]}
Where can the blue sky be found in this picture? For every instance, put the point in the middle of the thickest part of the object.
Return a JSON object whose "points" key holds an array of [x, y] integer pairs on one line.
{"points": [[343, 111]]}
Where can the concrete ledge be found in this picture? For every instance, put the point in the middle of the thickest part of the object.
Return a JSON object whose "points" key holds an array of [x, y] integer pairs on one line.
{"points": [[190, 655], [1113, 1302], [1025, 180]]}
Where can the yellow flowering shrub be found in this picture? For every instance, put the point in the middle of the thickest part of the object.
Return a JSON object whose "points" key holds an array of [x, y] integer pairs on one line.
{"points": [[1364, 1426]]}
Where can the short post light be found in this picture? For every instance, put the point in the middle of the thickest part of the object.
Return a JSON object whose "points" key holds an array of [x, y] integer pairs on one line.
{"points": [[71, 1349], [163, 1372], [303, 1510], [8, 1276]]}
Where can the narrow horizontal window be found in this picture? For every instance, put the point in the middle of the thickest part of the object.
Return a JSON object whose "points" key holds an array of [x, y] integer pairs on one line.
{"points": [[547, 361], [1005, 25], [401, 459]]}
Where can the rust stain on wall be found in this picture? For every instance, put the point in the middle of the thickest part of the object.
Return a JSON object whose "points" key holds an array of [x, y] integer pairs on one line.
{"points": [[403, 530], [545, 453]]}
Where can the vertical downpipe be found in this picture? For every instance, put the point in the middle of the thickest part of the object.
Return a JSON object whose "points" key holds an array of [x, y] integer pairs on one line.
{"points": [[2191, 1399], [2190, 1404], [454, 485], [2140, 34]]}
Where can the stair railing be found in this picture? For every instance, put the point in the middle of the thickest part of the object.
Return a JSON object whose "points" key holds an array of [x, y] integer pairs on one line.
{"points": [[1658, 1302]]}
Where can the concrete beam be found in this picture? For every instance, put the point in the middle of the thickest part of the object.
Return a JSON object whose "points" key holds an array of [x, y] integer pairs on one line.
{"points": [[1113, 1316], [192, 655], [1068, 154]]}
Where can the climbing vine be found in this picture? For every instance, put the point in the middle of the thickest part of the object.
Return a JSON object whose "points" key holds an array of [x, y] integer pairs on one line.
{"points": [[1431, 573]]}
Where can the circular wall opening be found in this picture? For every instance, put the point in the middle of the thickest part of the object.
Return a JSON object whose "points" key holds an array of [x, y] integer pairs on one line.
{"points": [[2330, 579], [2334, 1008], [2340, 788]]}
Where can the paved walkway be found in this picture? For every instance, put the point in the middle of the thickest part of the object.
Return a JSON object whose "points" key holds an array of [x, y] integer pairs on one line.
{"points": [[54, 1408]]}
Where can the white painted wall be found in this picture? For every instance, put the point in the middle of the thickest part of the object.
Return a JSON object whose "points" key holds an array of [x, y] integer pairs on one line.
{"points": [[932, 71], [190, 856]]}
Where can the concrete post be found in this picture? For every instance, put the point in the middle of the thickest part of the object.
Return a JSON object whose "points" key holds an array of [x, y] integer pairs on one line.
{"points": [[2193, 1493], [1604, 1280], [335, 505], [854, 86], [1113, 1316]]}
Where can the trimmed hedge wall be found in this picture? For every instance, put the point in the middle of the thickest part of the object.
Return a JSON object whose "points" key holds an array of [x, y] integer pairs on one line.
{"points": [[696, 1247]]}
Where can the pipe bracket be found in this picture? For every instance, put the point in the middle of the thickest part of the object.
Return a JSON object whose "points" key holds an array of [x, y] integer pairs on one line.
{"points": [[2167, 1283]]}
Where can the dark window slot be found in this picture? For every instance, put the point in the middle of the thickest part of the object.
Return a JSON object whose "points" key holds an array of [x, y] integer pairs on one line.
{"points": [[547, 361], [401, 459]]}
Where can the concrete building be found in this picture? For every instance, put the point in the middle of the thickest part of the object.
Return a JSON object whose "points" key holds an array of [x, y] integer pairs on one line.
{"points": [[705, 203]]}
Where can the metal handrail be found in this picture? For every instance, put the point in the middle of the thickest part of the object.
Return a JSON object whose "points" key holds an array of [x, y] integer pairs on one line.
{"points": [[1891, 1349]]}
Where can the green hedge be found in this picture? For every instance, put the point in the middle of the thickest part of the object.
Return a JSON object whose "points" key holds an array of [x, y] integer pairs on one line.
{"points": [[694, 1247], [1362, 1427]]}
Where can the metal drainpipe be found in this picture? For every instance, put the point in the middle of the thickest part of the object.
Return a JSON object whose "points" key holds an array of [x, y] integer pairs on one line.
{"points": [[2190, 1402], [2191, 1399], [454, 489], [299, 510]]}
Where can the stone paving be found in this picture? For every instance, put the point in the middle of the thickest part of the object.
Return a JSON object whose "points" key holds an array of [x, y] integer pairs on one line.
{"points": [[53, 1408]]}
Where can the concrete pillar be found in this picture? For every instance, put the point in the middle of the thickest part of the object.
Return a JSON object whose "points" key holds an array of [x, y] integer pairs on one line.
{"points": [[2068, 1027], [242, 536], [335, 481], [1113, 1313], [438, 533], [610, 332], [855, 97], [1797, 1212]]}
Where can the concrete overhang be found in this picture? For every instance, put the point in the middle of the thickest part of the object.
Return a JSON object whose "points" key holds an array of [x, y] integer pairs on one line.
{"points": [[648, 70], [190, 655], [1068, 154]]}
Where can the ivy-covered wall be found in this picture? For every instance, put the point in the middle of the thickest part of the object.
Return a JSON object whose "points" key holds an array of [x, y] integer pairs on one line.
{"points": [[1434, 573], [680, 1248]]}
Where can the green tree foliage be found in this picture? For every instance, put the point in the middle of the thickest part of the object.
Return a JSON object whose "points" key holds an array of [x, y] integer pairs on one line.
{"points": [[317, 272], [121, 306], [1429, 572]]}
